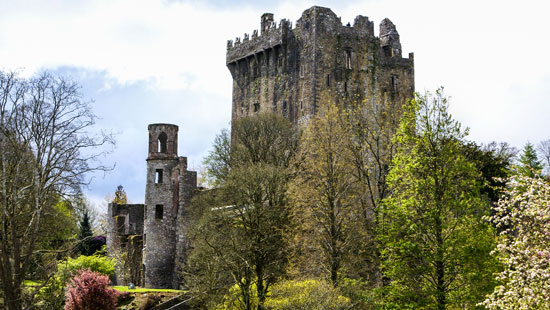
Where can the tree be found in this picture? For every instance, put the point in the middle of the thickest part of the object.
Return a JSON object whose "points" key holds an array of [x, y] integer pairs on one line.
{"points": [[323, 196], [243, 235], [217, 163], [46, 152], [528, 163], [435, 243], [371, 124], [120, 196], [306, 295], [84, 235], [523, 246], [494, 161], [544, 150]]}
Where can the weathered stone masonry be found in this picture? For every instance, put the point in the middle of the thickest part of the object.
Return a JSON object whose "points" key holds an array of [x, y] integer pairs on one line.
{"points": [[162, 220], [288, 70]]}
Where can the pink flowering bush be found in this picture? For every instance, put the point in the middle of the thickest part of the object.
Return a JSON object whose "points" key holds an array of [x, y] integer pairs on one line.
{"points": [[90, 291], [523, 217]]}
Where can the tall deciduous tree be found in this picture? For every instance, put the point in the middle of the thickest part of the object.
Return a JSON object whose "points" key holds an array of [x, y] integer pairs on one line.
{"points": [[370, 124], [523, 246], [436, 247], [244, 235], [46, 151], [324, 197]]}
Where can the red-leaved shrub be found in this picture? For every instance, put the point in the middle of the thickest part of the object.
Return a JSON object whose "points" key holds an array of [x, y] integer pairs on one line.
{"points": [[90, 291]]}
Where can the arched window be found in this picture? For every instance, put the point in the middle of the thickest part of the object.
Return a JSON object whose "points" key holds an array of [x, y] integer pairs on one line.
{"points": [[161, 143]]}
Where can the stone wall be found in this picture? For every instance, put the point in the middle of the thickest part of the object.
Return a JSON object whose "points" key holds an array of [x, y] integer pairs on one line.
{"points": [[287, 70], [169, 186], [125, 222]]}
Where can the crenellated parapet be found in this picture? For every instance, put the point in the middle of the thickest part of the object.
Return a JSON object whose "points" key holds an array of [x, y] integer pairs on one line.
{"points": [[289, 70], [271, 35]]}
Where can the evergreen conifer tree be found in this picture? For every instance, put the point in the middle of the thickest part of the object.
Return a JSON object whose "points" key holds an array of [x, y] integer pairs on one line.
{"points": [[529, 165], [84, 235]]}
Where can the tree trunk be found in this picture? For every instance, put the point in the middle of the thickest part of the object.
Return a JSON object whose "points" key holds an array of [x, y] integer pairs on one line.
{"points": [[260, 286]]}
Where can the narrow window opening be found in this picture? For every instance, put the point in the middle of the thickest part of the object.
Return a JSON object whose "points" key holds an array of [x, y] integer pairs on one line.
{"points": [[158, 176], [393, 83], [280, 63], [301, 105], [387, 50], [256, 106], [328, 80], [161, 143], [348, 59], [284, 109], [346, 87], [159, 212]]}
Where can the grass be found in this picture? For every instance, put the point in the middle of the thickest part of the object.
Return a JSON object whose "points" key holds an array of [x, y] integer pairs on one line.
{"points": [[145, 290]]}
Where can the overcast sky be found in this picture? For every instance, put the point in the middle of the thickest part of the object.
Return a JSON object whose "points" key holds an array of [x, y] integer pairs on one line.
{"points": [[145, 62]]}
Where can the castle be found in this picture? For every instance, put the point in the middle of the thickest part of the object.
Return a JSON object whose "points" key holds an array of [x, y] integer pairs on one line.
{"points": [[288, 70], [282, 70]]}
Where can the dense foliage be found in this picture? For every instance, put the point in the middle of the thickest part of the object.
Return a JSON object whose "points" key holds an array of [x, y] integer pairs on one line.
{"points": [[46, 150], [238, 228], [90, 291], [51, 296], [436, 247], [523, 246]]}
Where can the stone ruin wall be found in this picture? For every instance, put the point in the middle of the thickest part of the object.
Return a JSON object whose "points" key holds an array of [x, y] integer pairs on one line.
{"points": [[289, 70]]}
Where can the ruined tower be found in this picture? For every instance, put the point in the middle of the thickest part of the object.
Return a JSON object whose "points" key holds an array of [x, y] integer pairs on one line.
{"points": [[292, 71], [169, 188], [152, 237]]}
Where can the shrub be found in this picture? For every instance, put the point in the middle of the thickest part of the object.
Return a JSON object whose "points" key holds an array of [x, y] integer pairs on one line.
{"points": [[96, 263], [52, 296], [306, 295], [90, 291]]}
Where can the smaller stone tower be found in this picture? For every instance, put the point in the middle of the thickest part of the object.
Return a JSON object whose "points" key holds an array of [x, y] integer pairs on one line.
{"points": [[165, 171]]}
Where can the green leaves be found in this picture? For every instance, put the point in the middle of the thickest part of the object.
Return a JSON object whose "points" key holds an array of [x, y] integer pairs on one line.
{"points": [[432, 213]]}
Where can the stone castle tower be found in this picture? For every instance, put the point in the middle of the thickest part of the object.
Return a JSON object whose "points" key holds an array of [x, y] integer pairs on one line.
{"points": [[158, 227], [286, 70], [292, 71]]}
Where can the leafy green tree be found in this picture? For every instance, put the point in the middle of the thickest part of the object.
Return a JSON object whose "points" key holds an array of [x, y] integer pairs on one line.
{"points": [[523, 246], [218, 161], [436, 246], [243, 235], [495, 162]]}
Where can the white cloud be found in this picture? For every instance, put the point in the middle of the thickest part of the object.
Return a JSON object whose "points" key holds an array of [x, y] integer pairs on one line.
{"points": [[161, 61]]}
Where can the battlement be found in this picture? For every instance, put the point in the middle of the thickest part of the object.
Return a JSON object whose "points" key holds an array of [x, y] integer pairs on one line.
{"points": [[319, 18], [271, 36], [286, 70]]}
